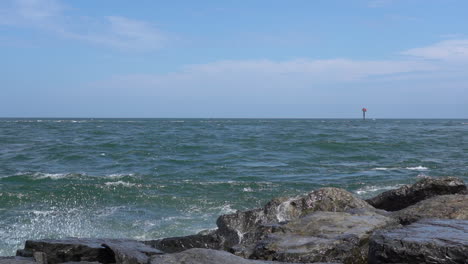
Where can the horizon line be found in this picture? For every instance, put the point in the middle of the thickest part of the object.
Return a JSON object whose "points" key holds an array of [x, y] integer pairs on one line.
{"points": [[359, 118]]}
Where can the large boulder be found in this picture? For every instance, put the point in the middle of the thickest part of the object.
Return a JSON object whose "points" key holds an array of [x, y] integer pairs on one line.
{"points": [[444, 206], [246, 227], [323, 236], [205, 256], [426, 241], [407, 195], [119, 251]]}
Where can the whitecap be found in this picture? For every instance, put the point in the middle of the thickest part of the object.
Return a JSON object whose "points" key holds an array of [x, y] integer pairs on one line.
{"points": [[384, 169], [122, 183], [247, 189], [418, 168], [53, 176], [119, 175], [374, 188]]}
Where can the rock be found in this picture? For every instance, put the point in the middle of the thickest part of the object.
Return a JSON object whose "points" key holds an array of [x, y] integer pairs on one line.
{"points": [[444, 206], [16, 260], [81, 262], [407, 195], [245, 227], [120, 251], [176, 244], [40, 257], [426, 241], [130, 251], [323, 236], [70, 249], [205, 256]]}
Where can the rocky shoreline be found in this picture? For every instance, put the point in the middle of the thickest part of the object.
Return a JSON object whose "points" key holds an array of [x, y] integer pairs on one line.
{"points": [[426, 222]]}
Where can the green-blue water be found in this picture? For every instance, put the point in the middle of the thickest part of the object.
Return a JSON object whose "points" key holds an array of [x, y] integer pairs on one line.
{"points": [[152, 178]]}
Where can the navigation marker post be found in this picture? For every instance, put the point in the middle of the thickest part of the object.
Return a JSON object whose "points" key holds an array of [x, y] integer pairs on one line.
{"points": [[364, 110]]}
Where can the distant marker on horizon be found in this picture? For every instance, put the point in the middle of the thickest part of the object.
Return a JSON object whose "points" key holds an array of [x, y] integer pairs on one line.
{"points": [[364, 110]]}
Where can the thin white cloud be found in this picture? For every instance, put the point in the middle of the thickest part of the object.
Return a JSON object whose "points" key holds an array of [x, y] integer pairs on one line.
{"points": [[280, 79], [447, 50], [112, 31]]}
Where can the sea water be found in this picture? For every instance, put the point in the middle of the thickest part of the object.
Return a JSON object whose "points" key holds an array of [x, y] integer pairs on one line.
{"points": [[154, 178]]}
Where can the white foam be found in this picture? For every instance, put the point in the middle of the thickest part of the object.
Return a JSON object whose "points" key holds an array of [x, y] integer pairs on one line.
{"points": [[373, 188], [119, 175], [53, 176], [418, 168], [227, 209], [384, 169], [284, 209], [247, 189], [122, 183]]}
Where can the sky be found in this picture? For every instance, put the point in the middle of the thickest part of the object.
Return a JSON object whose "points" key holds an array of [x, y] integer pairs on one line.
{"points": [[252, 59]]}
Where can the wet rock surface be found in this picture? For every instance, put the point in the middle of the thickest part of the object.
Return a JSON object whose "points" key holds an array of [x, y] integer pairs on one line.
{"points": [[444, 206], [407, 195], [16, 260], [178, 244], [122, 251], [243, 228], [323, 236], [205, 256], [426, 241]]}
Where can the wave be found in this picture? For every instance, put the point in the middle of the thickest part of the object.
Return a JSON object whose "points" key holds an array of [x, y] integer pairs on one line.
{"points": [[55, 176], [58, 176], [385, 169], [418, 168], [122, 183], [373, 188]]}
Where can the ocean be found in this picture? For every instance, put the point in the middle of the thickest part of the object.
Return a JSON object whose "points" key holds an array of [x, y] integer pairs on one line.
{"points": [[153, 178]]}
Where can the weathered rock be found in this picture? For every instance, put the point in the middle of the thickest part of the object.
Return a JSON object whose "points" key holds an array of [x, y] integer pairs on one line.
{"points": [[426, 241], [444, 206], [407, 195], [16, 260], [81, 262], [70, 249], [205, 256], [130, 251], [245, 227], [323, 236], [40, 257], [120, 251], [178, 244]]}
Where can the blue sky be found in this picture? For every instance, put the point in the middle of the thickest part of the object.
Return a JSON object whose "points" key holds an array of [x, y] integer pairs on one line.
{"points": [[116, 58]]}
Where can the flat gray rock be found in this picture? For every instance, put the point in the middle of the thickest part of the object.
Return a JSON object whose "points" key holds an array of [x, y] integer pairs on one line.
{"points": [[407, 195], [209, 240], [119, 251], [444, 207], [323, 236], [426, 241], [16, 260], [205, 256]]}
